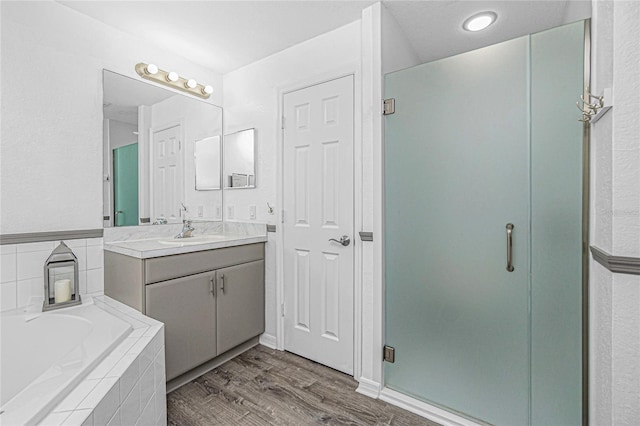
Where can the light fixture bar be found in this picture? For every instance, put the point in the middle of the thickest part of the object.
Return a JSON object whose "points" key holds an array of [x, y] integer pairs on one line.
{"points": [[173, 80]]}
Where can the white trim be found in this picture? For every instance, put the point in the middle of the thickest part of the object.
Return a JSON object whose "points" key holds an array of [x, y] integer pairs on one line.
{"points": [[372, 321], [428, 411], [352, 69], [369, 388], [268, 340], [357, 222]]}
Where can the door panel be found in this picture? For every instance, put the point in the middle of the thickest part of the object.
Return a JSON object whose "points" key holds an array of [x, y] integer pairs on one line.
{"points": [[456, 173], [240, 313], [318, 204], [187, 308], [167, 178]]}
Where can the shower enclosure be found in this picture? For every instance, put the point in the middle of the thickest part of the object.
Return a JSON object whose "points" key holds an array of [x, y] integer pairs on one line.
{"points": [[484, 230], [125, 185]]}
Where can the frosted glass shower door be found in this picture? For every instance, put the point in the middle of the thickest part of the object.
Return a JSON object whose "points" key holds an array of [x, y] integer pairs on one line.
{"points": [[125, 185], [456, 167], [478, 141]]}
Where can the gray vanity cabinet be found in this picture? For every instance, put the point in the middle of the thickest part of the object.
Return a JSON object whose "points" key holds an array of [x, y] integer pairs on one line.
{"points": [[210, 301], [240, 304], [188, 309]]}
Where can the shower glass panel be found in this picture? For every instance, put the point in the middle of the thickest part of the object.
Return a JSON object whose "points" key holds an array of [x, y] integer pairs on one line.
{"points": [[125, 185], [479, 141]]}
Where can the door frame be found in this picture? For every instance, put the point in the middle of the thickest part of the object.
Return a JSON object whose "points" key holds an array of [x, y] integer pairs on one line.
{"points": [[352, 69], [160, 128]]}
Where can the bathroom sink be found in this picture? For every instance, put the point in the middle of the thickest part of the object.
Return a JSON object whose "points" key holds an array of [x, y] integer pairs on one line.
{"points": [[192, 240]]}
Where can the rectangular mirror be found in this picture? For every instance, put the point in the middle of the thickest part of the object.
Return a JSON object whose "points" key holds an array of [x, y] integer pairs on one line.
{"points": [[161, 152], [239, 160], [207, 161]]}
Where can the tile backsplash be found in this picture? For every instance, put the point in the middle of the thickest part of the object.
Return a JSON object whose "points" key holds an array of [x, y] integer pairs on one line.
{"points": [[22, 270]]}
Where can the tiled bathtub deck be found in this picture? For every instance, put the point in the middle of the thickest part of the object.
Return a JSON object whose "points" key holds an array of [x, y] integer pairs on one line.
{"points": [[128, 386]]}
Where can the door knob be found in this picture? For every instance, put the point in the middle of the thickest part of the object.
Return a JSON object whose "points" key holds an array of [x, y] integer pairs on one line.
{"points": [[344, 240]]}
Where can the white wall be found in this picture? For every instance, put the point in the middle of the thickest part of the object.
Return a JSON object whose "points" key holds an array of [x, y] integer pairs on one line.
{"points": [[51, 136], [370, 375], [251, 101], [384, 49], [615, 298], [397, 53], [121, 134]]}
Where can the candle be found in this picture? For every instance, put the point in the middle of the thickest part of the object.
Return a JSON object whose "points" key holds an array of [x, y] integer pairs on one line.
{"points": [[62, 291]]}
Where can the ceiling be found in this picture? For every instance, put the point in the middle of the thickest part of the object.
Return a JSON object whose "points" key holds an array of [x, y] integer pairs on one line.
{"points": [[223, 35], [226, 35], [434, 28]]}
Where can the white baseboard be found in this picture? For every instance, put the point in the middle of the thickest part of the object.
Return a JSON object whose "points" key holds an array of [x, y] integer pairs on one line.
{"points": [[428, 411], [369, 388], [268, 340]]}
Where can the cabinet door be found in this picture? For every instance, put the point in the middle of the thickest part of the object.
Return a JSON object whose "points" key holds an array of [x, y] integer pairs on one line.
{"points": [[240, 304], [187, 308]]}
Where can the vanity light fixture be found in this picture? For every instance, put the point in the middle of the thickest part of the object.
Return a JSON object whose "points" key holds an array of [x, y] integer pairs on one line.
{"points": [[479, 21], [172, 76], [172, 79]]}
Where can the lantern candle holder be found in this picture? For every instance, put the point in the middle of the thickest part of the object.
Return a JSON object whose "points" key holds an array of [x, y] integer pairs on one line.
{"points": [[61, 284]]}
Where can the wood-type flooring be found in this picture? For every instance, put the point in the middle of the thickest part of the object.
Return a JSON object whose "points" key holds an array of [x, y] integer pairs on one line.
{"points": [[268, 387]]}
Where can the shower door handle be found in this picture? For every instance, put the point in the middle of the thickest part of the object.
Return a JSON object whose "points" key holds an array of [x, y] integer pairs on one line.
{"points": [[510, 267]]}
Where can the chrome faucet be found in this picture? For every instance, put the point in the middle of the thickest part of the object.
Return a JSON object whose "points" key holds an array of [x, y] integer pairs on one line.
{"points": [[160, 221], [187, 229]]}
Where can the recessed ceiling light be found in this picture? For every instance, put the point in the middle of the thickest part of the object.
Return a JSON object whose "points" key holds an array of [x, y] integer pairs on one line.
{"points": [[479, 21]]}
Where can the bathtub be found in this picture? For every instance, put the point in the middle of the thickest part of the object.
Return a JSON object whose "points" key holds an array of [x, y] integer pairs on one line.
{"points": [[43, 356]]}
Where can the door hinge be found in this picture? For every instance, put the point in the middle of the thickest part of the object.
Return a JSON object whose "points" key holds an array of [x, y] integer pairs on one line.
{"points": [[389, 354], [389, 106], [282, 309], [284, 121], [282, 219]]}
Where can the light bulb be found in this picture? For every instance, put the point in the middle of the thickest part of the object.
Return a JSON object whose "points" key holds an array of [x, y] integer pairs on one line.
{"points": [[172, 76], [151, 69], [207, 90], [479, 21], [191, 84]]}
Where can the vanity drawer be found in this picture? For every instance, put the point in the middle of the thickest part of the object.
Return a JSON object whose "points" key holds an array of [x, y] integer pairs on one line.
{"points": [[168, 267]]}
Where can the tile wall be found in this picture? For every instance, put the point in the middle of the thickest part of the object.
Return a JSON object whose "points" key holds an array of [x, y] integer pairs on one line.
{"points": [[22, 273]]}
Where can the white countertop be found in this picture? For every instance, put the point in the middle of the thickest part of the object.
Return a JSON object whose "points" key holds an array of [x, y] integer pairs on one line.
{"points": [[154, 247]]}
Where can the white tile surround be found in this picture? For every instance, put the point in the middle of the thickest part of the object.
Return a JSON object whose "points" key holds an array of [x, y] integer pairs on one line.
{"points": [[128, 386], [22, 274]]}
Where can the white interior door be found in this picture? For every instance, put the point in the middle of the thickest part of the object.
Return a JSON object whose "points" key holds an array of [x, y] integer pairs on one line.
{"points": [[318, 203], [166, 174]]}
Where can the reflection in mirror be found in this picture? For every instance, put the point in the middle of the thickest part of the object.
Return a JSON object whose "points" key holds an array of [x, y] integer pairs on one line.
{"points": [[239, 160], [150, 160], [207, 158]]}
